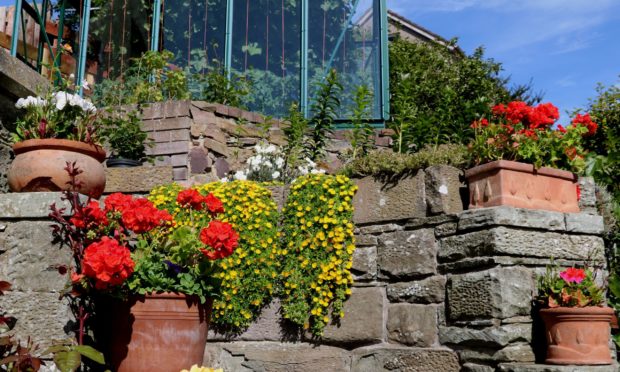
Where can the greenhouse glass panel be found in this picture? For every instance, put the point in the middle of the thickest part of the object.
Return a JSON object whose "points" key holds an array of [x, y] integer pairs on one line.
{"points": [[281, 49]]}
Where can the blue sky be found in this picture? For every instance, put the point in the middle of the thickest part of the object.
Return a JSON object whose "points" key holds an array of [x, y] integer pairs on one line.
{"points": [[564, 46]]}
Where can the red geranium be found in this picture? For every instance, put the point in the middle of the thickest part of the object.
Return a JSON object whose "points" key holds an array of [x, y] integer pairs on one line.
{"points": [[108, 262], [191, 198], [572, 275], [142, 216], [89, 216], [117, 202], [214, 205], [586, 121], [221, 237]]}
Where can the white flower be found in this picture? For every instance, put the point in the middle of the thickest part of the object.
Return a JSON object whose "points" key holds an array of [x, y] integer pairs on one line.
{"points": [[270, 149], [317, 171], [85, 85], [268, 164], [275, 175], [60, 100], [240, 175], [30, 101], [303, 170], [279, 162]]}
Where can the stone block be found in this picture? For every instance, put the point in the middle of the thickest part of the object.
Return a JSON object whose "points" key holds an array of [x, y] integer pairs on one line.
{"points": [[276, 357], [221, 109], [507, 241], [216, 147], [485, 218], [199, 162], [365, 240], [137, 179], [376, 201], [478, 263], [407, 359], [530, 367], [169, 148], [176, 108], [499, 293], [363, 319], [42, 316], [202, 116], [205, 106], [583, 223], [412, 325], [364, 263], [222, 168], [180, 174], [511, 353], [28, 257], [428, 290], [279, 195], [446, 229], [404, 254], [442, 190], [378, 229], [178, 160], [587, 201], [169, 135], [167, 124], [492, 337], [471, 367], [29, 204]]}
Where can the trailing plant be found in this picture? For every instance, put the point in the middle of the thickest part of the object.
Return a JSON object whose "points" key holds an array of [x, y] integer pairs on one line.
{"points": [[317, 248], [121, 128], [521, 132], [362, 135], [384, 163], [249, 276], [436, 92], [572, 287], [323, 111]]}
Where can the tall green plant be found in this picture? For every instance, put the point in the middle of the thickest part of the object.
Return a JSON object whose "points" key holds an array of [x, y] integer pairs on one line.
{"points": [[362, 134], [295, 133], [323, 111]]}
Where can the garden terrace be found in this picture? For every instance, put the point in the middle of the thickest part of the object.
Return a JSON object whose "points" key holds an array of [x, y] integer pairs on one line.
{"points": [[436, 288]]}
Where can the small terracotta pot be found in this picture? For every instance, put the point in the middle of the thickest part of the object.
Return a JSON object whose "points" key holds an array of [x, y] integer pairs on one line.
{"points": [[520, 185], [578, 335], [156, 332], [39, 166]]}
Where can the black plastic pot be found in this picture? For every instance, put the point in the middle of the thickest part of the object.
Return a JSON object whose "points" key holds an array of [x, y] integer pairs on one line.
{"points": [[122, 163]]}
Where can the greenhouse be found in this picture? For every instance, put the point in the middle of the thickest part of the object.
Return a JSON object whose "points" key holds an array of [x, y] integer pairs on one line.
{"points": [[282, 49]]}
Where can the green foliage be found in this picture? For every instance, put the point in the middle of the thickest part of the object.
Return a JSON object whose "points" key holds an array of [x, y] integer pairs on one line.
{"points": [[148, 79], [216, 87], [362, 135], [436, 93], [317, 250], [122, 131], [389, 164], [323, 110], [554, 291], [295, 133]]}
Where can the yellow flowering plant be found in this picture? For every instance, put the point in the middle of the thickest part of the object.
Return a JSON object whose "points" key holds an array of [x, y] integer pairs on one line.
{"points": [[317, 250], [249, 275]]}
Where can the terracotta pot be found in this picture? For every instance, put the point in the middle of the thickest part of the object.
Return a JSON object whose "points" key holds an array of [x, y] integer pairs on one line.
{"points": [[519, 185], [157, 332], [578, 335], [39, 166]]}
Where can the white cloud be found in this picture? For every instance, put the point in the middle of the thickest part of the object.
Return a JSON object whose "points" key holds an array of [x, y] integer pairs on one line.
{"points": [[566, 82]]}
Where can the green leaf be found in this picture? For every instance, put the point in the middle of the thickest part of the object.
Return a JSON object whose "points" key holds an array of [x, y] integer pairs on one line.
{"points": [[91, 353], [67, 361]]}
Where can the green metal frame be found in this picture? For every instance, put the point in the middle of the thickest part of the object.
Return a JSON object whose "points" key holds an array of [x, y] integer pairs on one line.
{"points": [[303, 81], [385, 61], [230, 4], [81, 67], [156, 25]]}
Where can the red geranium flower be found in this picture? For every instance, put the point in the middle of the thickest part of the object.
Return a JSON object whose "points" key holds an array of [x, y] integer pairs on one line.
{"points": [[117, 202], [572, 275], [214, 205], [191, 198], [108, 262], [221, 237], [586, 121], [142, 216], [88, 216]]}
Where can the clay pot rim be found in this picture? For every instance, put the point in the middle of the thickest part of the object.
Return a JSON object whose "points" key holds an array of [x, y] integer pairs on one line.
{"points": [[519, 167], [597, 310], [91, 150]]}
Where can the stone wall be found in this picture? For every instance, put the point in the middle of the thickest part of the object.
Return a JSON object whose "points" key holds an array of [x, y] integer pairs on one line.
{"points": [[203, 141], [436, 288]]}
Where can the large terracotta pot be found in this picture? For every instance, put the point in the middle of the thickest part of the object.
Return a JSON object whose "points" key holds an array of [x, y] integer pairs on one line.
{"points": [[158, 332], [520, 185], [39, 166], [578, 335]]}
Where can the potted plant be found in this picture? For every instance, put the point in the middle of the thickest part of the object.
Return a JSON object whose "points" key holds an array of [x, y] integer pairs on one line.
{"points": [[125, 138], [54, 129], [523, 162], [145, 281], [577, 321]]}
